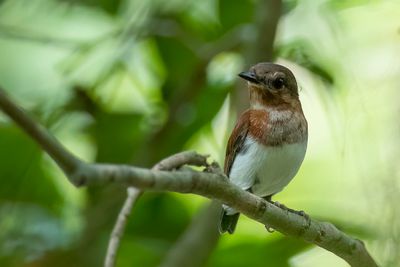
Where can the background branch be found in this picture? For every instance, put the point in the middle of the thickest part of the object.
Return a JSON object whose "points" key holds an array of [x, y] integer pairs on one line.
{"points": [[119, 227], [198, 241], [210, 185]]}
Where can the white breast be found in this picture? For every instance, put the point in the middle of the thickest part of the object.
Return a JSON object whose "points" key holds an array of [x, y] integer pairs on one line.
{"points": [[266, 170]]}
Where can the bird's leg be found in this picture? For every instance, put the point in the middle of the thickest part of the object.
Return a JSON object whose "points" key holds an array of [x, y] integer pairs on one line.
{"points": [[268, 228]]}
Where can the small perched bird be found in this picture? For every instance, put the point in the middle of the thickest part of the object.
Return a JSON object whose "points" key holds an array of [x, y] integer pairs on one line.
{"points": [[269, 141]]}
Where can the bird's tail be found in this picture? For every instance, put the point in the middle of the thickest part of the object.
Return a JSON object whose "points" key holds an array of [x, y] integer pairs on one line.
{"points": [[228, 221]]}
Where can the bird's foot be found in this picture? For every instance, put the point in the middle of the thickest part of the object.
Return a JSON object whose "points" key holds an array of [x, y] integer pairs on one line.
{"points": [[304, 215], [283, 207], [280, 205], [298, 212], [301, 213]]}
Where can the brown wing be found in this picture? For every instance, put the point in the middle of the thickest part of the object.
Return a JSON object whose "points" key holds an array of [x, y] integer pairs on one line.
{"points": [[236, 140]]}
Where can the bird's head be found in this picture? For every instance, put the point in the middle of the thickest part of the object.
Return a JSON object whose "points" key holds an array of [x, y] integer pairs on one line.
{"points": [[270, 84]]}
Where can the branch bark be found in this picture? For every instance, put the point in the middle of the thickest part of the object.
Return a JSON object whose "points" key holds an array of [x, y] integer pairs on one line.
{"points": [[173, 162], [119, 227], [210, 185]]}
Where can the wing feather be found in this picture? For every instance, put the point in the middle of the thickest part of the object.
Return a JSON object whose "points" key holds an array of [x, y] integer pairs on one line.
{"points": [[235, 145], [236, 140]]}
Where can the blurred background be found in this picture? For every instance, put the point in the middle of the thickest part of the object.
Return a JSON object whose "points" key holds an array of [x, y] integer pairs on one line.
{"points": [[132, 81]]}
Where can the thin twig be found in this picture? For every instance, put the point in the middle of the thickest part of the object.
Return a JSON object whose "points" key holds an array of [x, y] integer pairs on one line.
{"points": [[119, 227], [210, 185], [173, 162]]}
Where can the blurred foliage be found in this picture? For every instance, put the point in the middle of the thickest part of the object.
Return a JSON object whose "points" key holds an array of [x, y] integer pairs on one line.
{"points": [[297, 52], [133, 81], [257, 253], [19, 148]]}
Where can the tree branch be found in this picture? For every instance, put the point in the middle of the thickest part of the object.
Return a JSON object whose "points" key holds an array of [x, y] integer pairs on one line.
{"points": [[210, 185], [64, 159], [119, 227], [173, 162], [183, 158], [217, 186]]}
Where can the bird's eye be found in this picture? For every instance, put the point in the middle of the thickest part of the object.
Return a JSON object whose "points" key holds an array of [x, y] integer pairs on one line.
{"points": [[278, 83]]}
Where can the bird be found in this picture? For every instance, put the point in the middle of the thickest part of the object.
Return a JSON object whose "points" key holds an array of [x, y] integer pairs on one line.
{"points": [[269, 141]]}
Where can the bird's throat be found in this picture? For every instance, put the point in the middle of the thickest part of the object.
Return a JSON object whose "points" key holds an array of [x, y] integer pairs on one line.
{"points": [[275, 126]]}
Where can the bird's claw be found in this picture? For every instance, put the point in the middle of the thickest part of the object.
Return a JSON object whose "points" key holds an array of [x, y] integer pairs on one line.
{"points": [[298, 212], [305, 216], [283, 207], [280, 205]]}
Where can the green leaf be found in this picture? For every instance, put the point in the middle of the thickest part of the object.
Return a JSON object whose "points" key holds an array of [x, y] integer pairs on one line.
{"points": [[117, 136], [179, 61], [110, 6], [235, 12], [28, 231], [22, 171], [158, 216]]}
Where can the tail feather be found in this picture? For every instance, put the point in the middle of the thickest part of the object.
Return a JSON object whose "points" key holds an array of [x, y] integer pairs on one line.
{"points": [[228, 222]]}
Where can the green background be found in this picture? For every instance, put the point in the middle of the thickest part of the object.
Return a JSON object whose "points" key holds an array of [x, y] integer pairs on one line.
{"points": [[132, 81]]}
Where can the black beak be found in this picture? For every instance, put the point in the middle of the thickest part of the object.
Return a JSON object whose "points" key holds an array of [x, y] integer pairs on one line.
{"points": [[249, 76]]}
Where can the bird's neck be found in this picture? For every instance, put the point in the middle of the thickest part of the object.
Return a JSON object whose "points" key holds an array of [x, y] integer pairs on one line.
{"points": [[261, 99], [277, 107], [275, 125]]}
